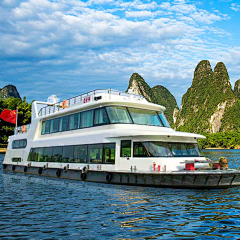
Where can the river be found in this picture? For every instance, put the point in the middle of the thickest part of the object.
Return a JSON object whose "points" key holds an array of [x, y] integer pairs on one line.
{"points": [[33, 207]]}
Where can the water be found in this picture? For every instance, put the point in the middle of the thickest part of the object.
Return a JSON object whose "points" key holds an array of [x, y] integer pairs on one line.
{"points": [[42, 208]]}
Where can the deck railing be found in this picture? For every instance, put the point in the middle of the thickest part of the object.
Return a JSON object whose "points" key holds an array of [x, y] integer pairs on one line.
{"points": [[79, 99]]}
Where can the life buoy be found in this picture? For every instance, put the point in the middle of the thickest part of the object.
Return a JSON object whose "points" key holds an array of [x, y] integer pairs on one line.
{"points": [[13, 168], [58, 173], [109, 177], [25, 169], [40, 171], [64, 104], [83, 176], [23, 128]]}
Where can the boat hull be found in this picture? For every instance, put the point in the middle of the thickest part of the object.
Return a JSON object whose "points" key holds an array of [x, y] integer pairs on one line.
{"points": [[185, 179]]}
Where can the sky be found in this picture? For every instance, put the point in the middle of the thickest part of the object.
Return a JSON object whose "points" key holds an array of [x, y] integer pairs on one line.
{"points": [[68, 47]]}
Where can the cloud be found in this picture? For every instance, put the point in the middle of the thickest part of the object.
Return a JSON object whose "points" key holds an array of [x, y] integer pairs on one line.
{"points": [[235, 7], [100, 43]]}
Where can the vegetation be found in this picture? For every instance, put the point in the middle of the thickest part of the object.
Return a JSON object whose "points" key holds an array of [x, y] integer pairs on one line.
{"points": [[24, 116], [221, 140]]}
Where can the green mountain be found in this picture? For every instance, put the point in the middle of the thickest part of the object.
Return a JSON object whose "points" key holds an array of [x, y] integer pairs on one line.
{"points": [[9, 91], [166, 99], [237, 89], [209, 105], [158, 94]]}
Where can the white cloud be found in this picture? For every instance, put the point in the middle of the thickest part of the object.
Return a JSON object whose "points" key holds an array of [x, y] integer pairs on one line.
{"points": [[235, 7], [100, 43]]}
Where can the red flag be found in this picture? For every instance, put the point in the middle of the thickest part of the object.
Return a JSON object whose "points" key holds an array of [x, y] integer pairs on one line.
{"points": [[9, 116]]}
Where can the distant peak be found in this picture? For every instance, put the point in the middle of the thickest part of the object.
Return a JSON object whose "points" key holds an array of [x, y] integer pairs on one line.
{"points": [[220, 67], [136, 76]]}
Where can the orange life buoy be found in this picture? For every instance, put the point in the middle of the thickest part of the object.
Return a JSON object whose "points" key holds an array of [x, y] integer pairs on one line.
{"points": [[64, 104], [23, 128]]}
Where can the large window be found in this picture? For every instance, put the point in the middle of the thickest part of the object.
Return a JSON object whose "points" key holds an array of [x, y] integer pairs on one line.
{"points": [[87, 119], [104, 115], [125, 148], [162, 149], [22, 143], [145, 117], [164, 120], [81, 154], [100, 116], [118, 115], [64, 124], [54, 127], [57, 154], [93, 153], [74, 121], [109, 153], [68, 152]]}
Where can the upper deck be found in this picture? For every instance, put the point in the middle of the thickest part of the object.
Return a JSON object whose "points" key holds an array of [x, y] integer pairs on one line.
{"points": [[96, 97]]}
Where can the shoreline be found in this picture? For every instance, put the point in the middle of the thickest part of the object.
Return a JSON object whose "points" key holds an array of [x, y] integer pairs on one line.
{"points": [[3, 150]]}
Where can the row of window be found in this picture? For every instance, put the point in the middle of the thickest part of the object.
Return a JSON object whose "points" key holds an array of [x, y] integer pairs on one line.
{"points": [[163, 149], [102, 116], [94, 153], [22, 143]]}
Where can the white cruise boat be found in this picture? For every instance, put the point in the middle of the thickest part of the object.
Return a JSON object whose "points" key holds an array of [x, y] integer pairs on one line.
{"points": [[113, 137]]}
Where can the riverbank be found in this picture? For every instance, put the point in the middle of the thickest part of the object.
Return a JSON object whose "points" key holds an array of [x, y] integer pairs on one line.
{"points": [[3, 150]]}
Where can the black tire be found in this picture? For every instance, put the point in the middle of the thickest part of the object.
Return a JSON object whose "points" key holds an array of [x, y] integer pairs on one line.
{"points": [[13, 168], [85, 170], [25, 169], [58, 173], [83, 176], [4, 166], [40, 171], [109, 177]]}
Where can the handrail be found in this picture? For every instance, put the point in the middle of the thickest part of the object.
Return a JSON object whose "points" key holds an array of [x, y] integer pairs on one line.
{"points": [[79, 98]]}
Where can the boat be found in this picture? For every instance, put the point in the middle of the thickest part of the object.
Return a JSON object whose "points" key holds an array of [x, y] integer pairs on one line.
{"points": [[112, 137]]}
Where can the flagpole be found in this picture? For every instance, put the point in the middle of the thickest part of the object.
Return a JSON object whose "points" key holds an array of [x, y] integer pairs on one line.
{"points": [[16, 117]]}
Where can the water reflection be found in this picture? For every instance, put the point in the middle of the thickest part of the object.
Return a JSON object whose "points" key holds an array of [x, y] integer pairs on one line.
{"points": [[37, 207]]}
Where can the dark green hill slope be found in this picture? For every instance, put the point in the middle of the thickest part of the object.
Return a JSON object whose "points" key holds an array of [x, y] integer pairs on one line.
{"points": [[207, 101]]}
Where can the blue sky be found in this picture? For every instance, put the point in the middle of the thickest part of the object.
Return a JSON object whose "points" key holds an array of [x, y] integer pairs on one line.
{"points": [[68, 47]]}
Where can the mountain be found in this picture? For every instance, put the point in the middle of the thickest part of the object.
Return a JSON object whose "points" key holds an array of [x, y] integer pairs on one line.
{"points": [[9, 91], [141, 87], [209, 102], [158, 94], [237, 88], [166, 99]]}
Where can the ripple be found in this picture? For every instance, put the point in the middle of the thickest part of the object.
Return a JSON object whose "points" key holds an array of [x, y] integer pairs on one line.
{"points": [[33, 207]]}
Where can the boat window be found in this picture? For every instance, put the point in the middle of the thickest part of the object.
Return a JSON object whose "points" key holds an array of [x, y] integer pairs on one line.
{"points": [[125, 148], [54, 126], [74, 121], [57, 154], [68, 154], [163, 149], [144, 117], [118, 115], [32, 155], [64, 124], [21, 143], [48, 154], [109, 153], [157, 149], [80, 154], [87, 119], [100, 116], [16, 159], [46, 127], [40, 157], [164, 120], [95, 153], [139, 150]]}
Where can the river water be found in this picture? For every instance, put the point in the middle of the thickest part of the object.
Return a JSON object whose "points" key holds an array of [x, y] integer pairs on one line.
{"points": [[34, 207]]}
